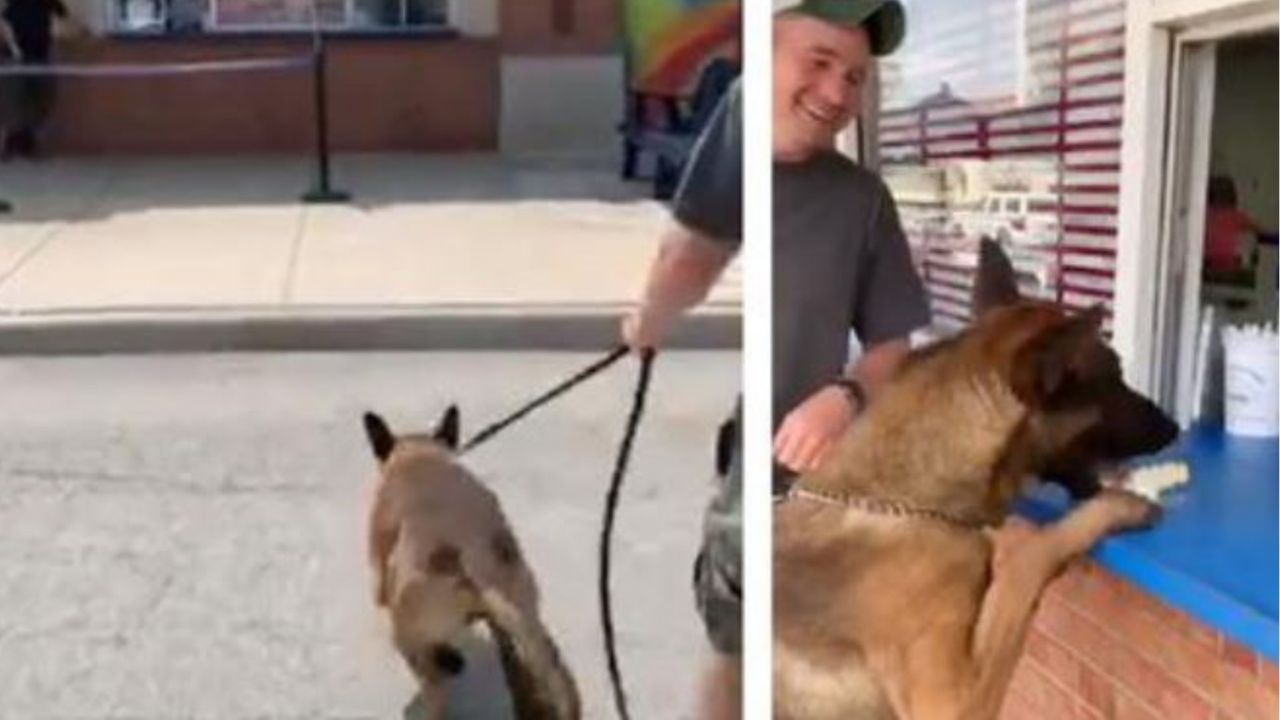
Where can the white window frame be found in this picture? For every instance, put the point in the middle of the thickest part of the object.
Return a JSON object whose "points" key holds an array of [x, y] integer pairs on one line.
{"points": [[1180, 252]]}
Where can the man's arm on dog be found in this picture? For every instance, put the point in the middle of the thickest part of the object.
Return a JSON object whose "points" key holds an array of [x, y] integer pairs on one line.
{"points": [[809, 431], [687, 266]]}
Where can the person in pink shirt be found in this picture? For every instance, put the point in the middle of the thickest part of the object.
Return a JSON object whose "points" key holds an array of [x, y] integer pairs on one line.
{"points": [[1224, 224]]}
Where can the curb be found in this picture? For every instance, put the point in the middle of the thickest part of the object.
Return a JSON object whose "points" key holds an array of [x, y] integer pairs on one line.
{"points": [[184, 330]]}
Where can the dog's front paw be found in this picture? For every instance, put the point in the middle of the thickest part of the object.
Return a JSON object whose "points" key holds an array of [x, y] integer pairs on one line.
{"points": [[1127, 511]]}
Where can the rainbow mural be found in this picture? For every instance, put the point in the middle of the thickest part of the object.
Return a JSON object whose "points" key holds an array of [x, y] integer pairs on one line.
{"points": [[668, 41]]}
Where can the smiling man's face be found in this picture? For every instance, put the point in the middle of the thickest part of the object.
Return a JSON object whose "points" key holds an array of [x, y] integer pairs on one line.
{"points": [[818, 73]]}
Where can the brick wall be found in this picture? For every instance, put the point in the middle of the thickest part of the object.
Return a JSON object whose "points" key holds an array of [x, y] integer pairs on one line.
{"points": [[560, 27], [386, 94], [1102, 648]]}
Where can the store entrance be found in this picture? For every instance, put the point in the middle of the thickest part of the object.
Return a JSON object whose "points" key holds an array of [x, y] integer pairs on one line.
{"points": [[1217, 264]]}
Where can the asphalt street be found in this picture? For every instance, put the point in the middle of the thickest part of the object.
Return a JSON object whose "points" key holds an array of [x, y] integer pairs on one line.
{"points": [[183, 534]]}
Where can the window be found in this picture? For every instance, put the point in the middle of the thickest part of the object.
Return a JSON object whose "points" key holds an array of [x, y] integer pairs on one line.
{"points": [[213, 15], [1010, 111]]}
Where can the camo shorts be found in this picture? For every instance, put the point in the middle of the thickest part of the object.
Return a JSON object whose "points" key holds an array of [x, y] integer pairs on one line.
{"points": [[717, 571]]}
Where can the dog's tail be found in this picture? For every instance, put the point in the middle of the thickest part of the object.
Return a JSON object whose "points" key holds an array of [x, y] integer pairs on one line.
{"points": [[542, 687]]}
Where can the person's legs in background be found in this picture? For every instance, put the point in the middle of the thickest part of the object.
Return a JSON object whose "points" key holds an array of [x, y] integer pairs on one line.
{"points": [[36, 94], [11, 108], [718, 582]]}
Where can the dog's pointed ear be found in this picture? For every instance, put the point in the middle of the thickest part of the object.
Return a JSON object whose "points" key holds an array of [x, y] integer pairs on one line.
{"points": [[447, 432], [380, 436], [996, 283], [1053, 356]]}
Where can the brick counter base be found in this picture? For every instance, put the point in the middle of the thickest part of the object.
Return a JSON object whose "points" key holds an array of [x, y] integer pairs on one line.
{"points": [[1102, 648]]}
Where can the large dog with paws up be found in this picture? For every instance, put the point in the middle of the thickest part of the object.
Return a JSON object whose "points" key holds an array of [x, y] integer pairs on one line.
{"points": [[894, 597]]}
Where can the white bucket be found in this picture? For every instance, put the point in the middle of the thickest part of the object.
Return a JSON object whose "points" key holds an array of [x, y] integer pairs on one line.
{"points": [[1252, 381]]}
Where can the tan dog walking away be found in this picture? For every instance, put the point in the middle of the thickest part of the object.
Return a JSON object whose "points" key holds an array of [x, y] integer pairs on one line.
{"points": [[887, 604], [444, 557]]}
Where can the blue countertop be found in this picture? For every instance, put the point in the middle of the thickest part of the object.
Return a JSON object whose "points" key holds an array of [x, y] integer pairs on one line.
{"points": [[1214, 555]]}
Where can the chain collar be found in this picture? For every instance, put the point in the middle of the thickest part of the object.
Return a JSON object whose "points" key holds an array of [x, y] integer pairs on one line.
{"points": [[877, 506]]}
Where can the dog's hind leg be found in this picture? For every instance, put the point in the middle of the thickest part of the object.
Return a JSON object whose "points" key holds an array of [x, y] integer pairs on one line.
{"points": [[431, 702], [425, 615], [434, 666]]}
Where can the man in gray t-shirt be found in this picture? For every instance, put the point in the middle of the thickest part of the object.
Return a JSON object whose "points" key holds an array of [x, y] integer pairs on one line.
{"points": [[840, 264], [840, 259]]}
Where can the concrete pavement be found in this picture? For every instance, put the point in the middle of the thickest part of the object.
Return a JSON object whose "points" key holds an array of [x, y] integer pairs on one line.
{"points": [[183, 534], [163, 250]]}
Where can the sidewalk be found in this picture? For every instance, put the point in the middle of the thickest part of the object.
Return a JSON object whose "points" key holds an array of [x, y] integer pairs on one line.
{"points": [[465, 251]]}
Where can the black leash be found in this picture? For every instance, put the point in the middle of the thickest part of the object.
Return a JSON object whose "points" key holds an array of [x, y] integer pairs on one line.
{"points": [[606, 532], [546, 397]]}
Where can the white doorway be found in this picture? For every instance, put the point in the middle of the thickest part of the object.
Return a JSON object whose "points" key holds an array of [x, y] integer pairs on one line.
{"points": [[1219, 83]]}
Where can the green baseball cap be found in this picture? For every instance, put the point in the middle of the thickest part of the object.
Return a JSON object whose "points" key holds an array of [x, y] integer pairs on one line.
{"points": [[884, 20]]}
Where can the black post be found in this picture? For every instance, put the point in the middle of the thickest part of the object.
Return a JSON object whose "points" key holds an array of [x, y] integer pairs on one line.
{"points": [[320, 192], [6, 207]]}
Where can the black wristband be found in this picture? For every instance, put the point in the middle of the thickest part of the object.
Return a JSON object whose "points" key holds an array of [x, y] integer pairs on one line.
{"points": [[854, 391]]}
